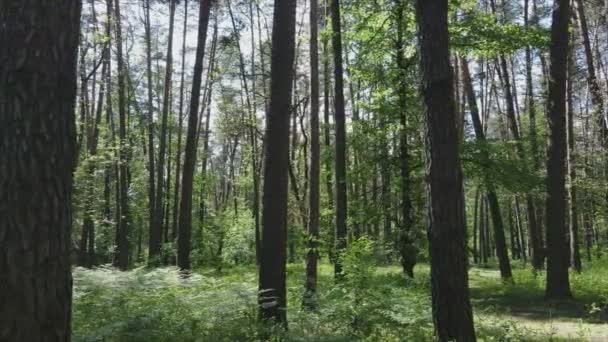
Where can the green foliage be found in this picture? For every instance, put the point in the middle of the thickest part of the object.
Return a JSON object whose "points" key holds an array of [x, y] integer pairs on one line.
{"points": [[501, 168], [481, 33], [371, 304]]}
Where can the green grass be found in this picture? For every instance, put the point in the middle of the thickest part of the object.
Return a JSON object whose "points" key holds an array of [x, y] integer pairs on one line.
{"points": [[375, 304]]}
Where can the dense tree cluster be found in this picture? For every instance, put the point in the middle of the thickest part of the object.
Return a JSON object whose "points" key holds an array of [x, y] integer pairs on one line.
{"points": [[446, 132]]}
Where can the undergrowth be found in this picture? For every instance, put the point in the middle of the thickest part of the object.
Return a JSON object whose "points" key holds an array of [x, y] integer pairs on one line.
{"points": [[371, 304]]}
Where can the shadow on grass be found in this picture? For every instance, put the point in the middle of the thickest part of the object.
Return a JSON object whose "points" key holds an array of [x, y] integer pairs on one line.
{"points": [[525, 297]]}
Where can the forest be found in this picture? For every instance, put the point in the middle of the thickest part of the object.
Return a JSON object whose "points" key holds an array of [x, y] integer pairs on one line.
{"points": [[311, 170]]}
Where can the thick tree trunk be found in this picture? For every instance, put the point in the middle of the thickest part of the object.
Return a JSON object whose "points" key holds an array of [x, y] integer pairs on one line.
{"points": [[340, 121], [558, 285], [185, 212], [452, 313], [38, 155], [273, 293], [315, 157]]}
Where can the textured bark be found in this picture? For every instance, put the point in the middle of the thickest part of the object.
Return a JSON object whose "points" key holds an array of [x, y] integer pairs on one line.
{"points": [[406, 246], [558, 285], [121, 257], [497, 222], [452, 313], [185, 212], [39, 41], [340, 121], [273, 295], [315, 156]]}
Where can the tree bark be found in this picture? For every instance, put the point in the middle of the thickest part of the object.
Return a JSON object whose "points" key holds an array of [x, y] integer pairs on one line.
{"points": [[121, 257], [180, 127], [452, 313], [153, 246], [558, 285], [185, 213], [38, 156], [575, 254], [313, 222], [406, 246], [156, 236], [340, 121], [273, 295]]}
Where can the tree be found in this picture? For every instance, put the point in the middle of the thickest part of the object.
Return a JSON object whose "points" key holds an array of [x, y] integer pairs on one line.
{"points": [[497, 222], [272, 288], [121, 257], [156, 232], [154, 236], [452, 312], [185, 210], [340, 121], [575, 254], [315, 156], [406, 241], [558, 284], [38, 155], [180, 124]]}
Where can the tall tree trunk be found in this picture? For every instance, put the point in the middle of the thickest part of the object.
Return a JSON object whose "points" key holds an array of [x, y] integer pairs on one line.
{"points": [[329, 187], [273, 295], [558, 285], [87, 244], [121, 258], [452, 313], [154, 247], [156, 233], [530, 103], [38, 156], [575, 254], [533, 225], [315, 156], [255, 169], [340, 121], [185, 212], [497, 223], [180, 126], [406, 246], [594, 88]]}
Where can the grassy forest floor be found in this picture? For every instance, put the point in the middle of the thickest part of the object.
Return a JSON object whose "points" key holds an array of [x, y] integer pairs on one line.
{"points": [[373, 304]]}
